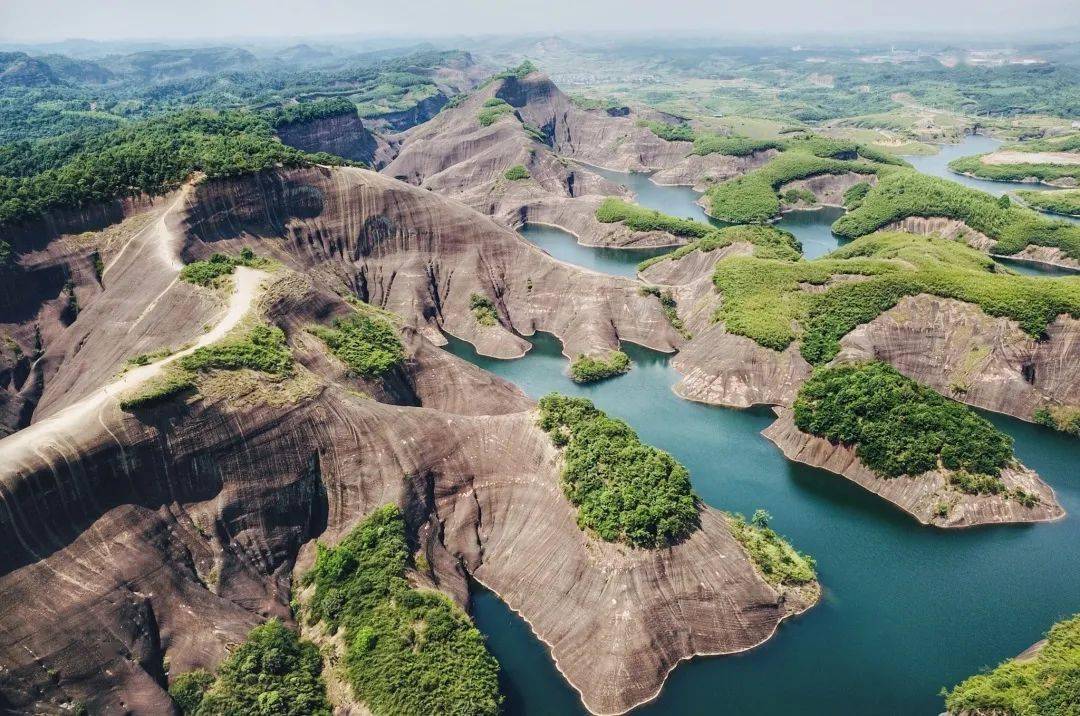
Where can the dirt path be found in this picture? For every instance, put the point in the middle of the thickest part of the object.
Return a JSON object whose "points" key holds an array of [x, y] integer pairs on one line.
{"points": [[247, 284]]}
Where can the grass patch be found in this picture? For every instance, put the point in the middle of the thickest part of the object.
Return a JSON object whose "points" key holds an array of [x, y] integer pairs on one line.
{"points": [[272, 672], [625, 490], [492, 111], [1066, 203], [775, 559], [586, 369], [205, 273], [517, 173], [1046, 685], [408, 651], [764, 299], [368, 344], [899, 427], [158, 389], [904, 194], [483, 310]]}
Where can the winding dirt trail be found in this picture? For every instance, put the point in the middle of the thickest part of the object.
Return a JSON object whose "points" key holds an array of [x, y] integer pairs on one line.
{"points": [[65, 423]]}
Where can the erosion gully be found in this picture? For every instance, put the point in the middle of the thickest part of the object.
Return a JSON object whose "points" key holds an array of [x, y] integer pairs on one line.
{"points": [[906, 609]]}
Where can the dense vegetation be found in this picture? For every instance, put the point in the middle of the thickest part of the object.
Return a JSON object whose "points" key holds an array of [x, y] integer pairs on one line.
{"points": [[152, 157], [408, 651], [752, 198], [763, 299], [1061, 417], [769, 243], [853, 197], [897, 426], [669, 132], [777, 561], [624, 490], [272, 672], [483, 310], [1045, 685], [904, 194], [732, 146], [1066, 203], [204, 273], [367, 343], [974, 166], [517, 173], [638, 218], [492, 111], [586, 369], [309, 111]]}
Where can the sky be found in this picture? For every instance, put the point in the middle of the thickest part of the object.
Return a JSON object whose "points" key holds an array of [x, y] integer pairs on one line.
{"points": [[43, 20]]}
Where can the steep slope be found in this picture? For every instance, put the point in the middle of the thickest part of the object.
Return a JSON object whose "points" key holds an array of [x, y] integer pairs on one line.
{"points": [[422, 257], [164, 534]]}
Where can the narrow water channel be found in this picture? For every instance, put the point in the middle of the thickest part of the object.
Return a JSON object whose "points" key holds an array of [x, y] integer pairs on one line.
{"points": [[906, 609]]}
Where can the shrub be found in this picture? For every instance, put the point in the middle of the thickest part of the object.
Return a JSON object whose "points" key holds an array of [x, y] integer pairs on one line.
{"points": [[669, 132], [586, 369], [272, 672], [187, 690], [768, 242], [669, 306], [263, 349], [855, 194], [624, 490], [1047, 684], [493, 110], [974, 166], [483, 310], [204, 273], [1066, 203], [775, 559], [765, 299], [794, 196], [517, 173], [1060, 417], [705, 144], [898, 427], [368, 345], [635, 217], [903, 194], [407, 651]]}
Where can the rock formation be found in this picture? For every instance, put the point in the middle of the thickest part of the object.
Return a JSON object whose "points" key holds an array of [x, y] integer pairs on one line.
{"points": [[928, 497], [163, 535], [344, 135]]}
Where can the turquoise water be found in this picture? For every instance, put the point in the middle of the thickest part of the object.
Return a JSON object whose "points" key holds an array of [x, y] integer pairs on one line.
{"points": [[564, 246], [906, 609]]}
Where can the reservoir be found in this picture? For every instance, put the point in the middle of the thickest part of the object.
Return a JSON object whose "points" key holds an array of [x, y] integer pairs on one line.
{"points": [[905, 610]]}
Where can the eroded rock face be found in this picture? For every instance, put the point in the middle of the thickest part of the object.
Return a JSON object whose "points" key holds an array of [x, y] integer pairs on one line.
{"points": [[699, 171], [344, 135], [422, 257], [959, 351], [169, 534], [928, 497], [828, 188]]}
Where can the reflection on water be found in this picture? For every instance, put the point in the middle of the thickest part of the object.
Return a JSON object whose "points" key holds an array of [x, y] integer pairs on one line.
{"points": [[564, 246], [907, 609]]}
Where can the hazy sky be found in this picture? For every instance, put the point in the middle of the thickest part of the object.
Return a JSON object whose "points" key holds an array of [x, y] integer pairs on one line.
{"points": [[27, 20]]}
